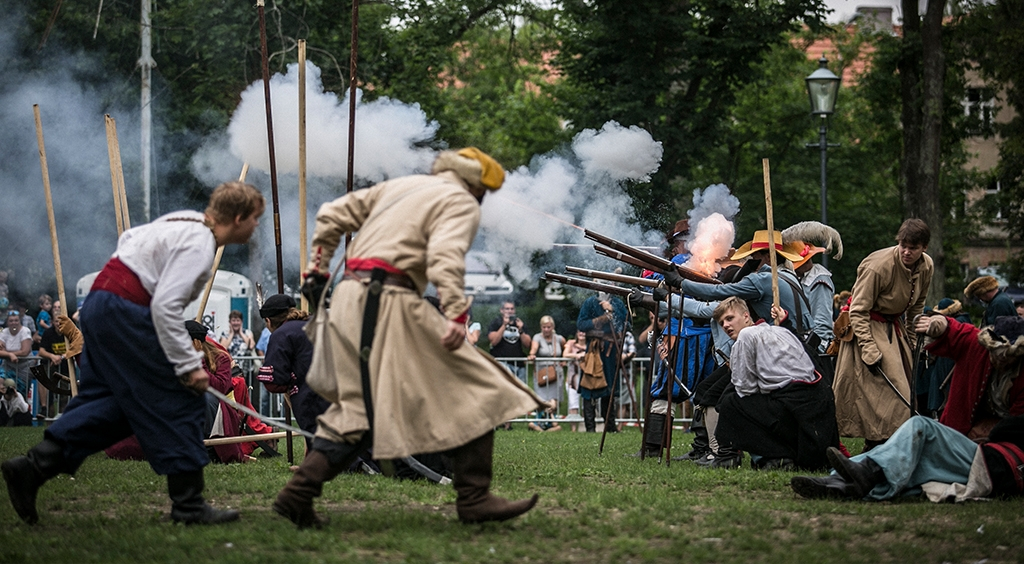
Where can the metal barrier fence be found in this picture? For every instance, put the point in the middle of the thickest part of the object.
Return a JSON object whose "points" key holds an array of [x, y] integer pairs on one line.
{"points": [[631, 389]]}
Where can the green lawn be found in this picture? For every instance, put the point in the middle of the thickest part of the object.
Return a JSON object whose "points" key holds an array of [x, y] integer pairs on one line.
{"points": [[592, 508]]}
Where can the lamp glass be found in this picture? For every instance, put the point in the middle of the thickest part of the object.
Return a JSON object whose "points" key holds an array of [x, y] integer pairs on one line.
{"points": [[822, 87]]}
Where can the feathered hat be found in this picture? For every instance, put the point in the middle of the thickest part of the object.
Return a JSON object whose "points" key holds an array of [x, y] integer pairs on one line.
{"points": [[809, 234]]}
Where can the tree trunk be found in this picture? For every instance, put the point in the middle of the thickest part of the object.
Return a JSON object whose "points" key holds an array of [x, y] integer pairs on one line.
{"points": [[922, 73]]}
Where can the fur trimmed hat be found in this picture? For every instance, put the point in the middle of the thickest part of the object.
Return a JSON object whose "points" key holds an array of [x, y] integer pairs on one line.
{"points": [[948, 307], [980, 285], [1005, 339], [472, 165]]}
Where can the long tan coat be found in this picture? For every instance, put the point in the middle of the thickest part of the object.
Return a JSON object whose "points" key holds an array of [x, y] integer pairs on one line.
{"points": [[425, 398], [865, 405]]}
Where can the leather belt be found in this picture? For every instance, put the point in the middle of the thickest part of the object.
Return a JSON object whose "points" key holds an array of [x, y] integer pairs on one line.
{"points": [[399, 280]]}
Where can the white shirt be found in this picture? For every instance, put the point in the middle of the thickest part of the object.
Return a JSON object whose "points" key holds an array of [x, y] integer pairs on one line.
{"points": [[14, 405], [12, 341], [172, 260], [767, 358]]}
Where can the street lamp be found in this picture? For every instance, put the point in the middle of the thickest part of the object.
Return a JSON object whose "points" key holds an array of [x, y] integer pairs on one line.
{"points": [[822, 87]]}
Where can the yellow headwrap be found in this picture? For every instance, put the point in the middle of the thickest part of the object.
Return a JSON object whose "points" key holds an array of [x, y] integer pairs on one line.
{"points": [[492, 176]]}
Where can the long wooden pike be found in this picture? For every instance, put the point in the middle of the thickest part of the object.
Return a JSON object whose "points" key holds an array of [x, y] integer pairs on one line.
{"points": [[303, 257], [216, 262], [117, 176], [771, 234], [635, 280], [53, 238]]}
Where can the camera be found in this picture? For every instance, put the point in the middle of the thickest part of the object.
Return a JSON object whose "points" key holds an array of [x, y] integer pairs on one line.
{"points": [[512, 320]]}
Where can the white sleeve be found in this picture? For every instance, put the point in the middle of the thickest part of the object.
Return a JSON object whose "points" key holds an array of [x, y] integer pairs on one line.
{"points": [[184, 273], [19, 405], [744, 364]]}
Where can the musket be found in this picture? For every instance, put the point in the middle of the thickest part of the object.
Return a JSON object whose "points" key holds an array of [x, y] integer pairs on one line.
{"points": [[645, 259], [581, 283], [635, 280]]}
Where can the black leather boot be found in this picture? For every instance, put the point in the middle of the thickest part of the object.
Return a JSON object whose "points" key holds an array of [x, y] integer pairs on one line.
{"points": [[862, 476], [25, 474], [654, 432], [188, 505], [322, 464], [589, 416], [473, 464], [832, 486]]}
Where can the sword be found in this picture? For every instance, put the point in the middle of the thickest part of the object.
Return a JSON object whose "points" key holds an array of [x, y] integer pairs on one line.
{"points": [[880, 372], [412, 462]]}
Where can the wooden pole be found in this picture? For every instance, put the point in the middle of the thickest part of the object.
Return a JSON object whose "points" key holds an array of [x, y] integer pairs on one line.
{"points": [[53, 237], [119, 171], [111, 144], [245, 438], [304, 305], [353, 67], [771, 234], [216, 262], [270, 143]]}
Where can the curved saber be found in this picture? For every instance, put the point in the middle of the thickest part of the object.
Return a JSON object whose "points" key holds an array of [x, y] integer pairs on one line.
{"points": [[262, 418], [895, 389], [412, 462]]}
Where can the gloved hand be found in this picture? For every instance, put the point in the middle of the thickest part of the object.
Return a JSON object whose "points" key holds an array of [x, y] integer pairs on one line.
{"points": [[635, 298], [876, 369], [673, 278], [934, 326], [313, 284], [660, 294]]}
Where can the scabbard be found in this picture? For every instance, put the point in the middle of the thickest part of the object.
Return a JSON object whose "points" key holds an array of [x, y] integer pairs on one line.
{"points": [[370, 314]]}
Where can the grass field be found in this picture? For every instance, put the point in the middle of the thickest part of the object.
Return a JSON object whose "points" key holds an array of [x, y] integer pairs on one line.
{"points": [[592, 508]]}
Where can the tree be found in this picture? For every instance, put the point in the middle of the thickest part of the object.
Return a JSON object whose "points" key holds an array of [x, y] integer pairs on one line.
{"points": [[922, 68], [671, 67]]}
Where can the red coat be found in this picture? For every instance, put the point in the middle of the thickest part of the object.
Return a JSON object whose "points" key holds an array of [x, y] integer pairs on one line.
{"points": [[969, 384]]}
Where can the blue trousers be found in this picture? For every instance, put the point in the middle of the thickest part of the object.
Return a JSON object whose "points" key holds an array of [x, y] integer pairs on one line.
{"points": [[128, 386], [921, 450]]}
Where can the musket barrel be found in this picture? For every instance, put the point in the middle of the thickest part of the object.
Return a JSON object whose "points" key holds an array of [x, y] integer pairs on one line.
{"points": [[683, 271], [581, 283], [659, 263], [635, 280]]}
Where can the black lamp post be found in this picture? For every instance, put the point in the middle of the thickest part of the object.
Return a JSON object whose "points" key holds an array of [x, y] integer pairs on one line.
{"points": [[822, 87]]}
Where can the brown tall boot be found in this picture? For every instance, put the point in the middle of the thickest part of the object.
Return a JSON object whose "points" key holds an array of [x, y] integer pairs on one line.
{"points": [[295, 500], [475, 504]]}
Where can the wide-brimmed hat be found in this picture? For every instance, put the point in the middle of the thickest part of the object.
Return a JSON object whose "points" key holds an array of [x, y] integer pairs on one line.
{"points": [[760, 243], [680, 229], [806, 251], [980, 285]]}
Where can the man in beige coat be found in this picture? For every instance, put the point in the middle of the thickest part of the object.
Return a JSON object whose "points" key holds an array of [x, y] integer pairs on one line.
{"points": [[889, 293], [430, 391]]}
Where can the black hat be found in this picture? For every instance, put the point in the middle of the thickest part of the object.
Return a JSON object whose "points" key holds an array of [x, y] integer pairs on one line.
{"points": [[196, 330], [276, 305]]}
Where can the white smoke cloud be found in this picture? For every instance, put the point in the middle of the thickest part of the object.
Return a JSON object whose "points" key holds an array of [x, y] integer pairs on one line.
{"points": [[622, 153], [712, 232], [386, 132], [543, 204], [76, 149]]}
